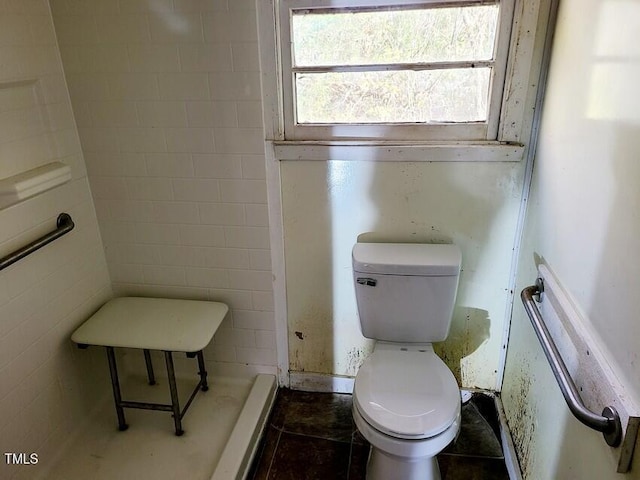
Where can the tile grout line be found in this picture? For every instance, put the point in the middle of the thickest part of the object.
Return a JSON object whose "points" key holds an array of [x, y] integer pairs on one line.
{"points": [[273, 456], [350, 455], [317, 437]]}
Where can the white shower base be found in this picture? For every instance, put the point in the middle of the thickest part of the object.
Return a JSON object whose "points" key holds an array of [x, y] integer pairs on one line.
{"points": [[222, 430]]}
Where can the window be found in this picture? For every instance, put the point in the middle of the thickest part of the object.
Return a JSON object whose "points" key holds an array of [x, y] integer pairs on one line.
{"points": [[393, 70]]}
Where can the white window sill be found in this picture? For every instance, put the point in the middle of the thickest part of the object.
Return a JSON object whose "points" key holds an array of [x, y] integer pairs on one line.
{"points": [[398, 151]]}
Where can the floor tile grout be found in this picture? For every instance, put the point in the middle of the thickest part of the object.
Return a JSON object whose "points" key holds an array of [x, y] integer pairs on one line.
{"points": [[273, 455]]}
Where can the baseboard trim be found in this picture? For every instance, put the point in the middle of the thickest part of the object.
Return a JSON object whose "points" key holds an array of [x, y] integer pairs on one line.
{"points": [[319, 382], [244, 441]]}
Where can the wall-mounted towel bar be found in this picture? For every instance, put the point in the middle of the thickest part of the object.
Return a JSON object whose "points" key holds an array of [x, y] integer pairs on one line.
{"points": [[609, 422], [64, 225]]}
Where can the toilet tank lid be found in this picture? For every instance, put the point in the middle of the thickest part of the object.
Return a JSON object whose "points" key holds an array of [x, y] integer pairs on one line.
{"points": [[407, 259]]}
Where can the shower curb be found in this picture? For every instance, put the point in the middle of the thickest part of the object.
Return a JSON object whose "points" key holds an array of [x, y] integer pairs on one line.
{"points": [[244, 440]]}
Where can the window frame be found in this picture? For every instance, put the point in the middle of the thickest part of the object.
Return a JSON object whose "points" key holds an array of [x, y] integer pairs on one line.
{"points": [[488, 130]]}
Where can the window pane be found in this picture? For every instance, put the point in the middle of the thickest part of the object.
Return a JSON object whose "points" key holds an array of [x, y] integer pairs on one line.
{"points": [[394, 36], [429, 96]]}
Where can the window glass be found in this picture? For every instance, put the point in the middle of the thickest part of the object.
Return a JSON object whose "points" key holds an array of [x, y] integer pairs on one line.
{"points": [[426, 96], [424, 64], [356, 37]]}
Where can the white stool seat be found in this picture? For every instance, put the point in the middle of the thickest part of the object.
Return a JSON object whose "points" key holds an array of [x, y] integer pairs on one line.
{"points": [[406, 392], [153, 324]]}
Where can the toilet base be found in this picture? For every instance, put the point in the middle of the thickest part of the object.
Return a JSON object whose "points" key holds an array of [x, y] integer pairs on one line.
{"points": [[383, 466]]}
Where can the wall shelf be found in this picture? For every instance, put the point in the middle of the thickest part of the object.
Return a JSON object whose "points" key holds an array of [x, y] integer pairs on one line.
{"points": [[24, 185]]}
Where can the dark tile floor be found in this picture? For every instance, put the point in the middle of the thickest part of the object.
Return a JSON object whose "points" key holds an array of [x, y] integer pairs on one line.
{"points": [[312, 436]]}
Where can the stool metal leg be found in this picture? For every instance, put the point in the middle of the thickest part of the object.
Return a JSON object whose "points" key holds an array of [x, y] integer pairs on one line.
{"points": [[202, 372], [147, 360], [174, 393], [113, 369]]}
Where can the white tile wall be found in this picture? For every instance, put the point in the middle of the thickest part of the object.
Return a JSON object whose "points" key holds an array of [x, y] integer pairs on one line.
{"points": [[167, 99], [47, 386]]}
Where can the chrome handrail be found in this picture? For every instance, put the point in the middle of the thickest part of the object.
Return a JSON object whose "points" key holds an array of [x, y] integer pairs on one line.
{"points": [[609, 422], [64, 225]]}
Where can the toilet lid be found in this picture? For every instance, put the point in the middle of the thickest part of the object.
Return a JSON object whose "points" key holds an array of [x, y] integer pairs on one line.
{"points": [[407, 394]]}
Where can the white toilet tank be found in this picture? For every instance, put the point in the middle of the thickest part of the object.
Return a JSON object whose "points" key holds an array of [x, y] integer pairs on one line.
{"points": [[406, 291]]}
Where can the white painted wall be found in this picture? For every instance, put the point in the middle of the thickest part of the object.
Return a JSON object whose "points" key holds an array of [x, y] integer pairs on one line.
{"points": [[326, 205], [167, 99], [47, 386], [583, 222]]}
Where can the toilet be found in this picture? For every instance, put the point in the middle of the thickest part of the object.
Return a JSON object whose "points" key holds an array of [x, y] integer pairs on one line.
{"points": [[406, 401]]}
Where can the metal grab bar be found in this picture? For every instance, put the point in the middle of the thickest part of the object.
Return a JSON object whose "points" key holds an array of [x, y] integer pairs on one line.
{"points": [[609, 422], [64, 225]]}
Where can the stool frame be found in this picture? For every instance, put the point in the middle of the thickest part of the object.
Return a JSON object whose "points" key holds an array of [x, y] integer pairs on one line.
{"points": [[174, 407]]}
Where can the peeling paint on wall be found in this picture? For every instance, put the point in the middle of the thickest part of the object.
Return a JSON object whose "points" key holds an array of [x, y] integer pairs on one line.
{"points": [[355, 357]]}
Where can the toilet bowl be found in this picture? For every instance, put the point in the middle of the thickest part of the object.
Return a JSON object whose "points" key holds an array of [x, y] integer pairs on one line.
{"points": [[406, 404]]}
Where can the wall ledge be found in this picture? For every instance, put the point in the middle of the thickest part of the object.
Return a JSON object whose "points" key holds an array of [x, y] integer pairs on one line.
{"points": [[399, 151], [27, 184]]}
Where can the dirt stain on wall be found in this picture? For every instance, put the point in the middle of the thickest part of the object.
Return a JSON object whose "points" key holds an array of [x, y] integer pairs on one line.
{"points": [[311, 340], [522, 421], [470, 328]]}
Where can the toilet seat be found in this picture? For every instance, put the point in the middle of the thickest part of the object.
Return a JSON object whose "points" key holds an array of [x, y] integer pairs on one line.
{"points": [[406, 391]]}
